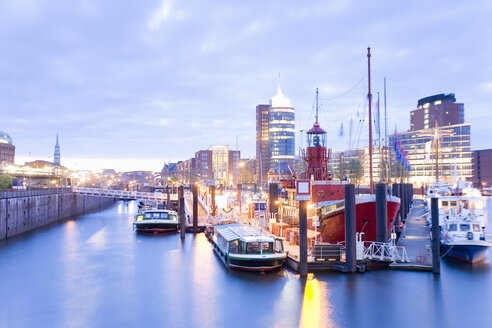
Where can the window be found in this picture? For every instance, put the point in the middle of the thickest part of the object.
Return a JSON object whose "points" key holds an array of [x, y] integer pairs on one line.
{"points": [[234, 247], [253, 247], [278, 246]]}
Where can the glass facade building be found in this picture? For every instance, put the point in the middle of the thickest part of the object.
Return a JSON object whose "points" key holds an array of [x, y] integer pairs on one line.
{"points": [[454, 155], [281, 130]]}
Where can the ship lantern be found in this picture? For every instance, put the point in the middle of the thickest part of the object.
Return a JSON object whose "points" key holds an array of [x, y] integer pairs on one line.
{"points": [[316, 137]]}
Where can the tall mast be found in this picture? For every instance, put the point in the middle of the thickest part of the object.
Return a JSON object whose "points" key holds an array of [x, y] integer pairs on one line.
{"points": [[369, 98], [388, 164], [316, 105], [436, 145]]}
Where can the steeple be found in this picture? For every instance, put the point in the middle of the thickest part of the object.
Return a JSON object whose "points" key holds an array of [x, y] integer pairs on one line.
{"points": [[57, 152]]}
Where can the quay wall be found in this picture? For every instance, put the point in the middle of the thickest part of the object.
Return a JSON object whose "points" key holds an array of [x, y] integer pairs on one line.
{"points": [[25, 213]]}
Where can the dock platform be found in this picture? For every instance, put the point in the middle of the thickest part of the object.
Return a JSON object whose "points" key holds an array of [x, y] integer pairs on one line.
{"points": [[415, 237]]}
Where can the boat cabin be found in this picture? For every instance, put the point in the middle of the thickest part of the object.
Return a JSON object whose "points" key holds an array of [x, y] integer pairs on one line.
{"points": [[241, 239]]}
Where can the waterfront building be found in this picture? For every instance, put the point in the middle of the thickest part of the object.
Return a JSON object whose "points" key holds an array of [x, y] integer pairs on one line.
{"points": [[185, 171], [437, 110], [454, 155], [7, 149], [56, 156], [482, 168], [281, 130], [262, 142], [219, 164]]}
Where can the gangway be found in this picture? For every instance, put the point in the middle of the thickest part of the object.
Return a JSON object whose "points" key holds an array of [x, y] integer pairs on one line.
{"points": [[124, 195]]}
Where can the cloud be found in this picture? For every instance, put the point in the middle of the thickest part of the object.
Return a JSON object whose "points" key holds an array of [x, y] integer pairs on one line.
{"points": [[165, 12]]}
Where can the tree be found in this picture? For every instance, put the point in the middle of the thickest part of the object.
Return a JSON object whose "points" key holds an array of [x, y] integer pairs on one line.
{"points": [[5, 181], [355, 170]]}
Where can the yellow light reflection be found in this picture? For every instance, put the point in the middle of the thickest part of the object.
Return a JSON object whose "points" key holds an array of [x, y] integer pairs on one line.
{"points": [[316, 310]]}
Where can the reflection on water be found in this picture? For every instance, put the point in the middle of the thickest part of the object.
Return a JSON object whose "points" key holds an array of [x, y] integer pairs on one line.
{"points": [[95, 271], [316, 310]]}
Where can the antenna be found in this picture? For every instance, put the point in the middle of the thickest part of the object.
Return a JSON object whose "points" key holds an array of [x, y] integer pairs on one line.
{"points": [[316, 105]]}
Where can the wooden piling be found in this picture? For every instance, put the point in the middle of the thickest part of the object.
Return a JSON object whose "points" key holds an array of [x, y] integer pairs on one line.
{"points": [[436, 251], [381, 214], [181, 209], [195, 209], [303, 238], [350, 230]]}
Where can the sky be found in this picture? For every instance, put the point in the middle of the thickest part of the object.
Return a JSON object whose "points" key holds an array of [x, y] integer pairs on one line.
{"points": [[133, 84]]}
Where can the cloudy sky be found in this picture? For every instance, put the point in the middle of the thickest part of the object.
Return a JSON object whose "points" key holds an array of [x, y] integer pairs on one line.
{"points": [[133, 84]]}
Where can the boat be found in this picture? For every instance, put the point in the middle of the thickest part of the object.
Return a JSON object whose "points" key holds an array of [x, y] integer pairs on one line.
{"points": [[328, 195], [456, 200], [246, 247], [463, 238], [156, 221], [461, 221]]}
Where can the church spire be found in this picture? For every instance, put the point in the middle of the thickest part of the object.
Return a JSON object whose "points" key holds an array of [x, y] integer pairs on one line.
{"points": [[57, 152]]}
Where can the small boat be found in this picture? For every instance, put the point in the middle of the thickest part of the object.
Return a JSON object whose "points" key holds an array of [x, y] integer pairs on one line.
{"points": [[463, 239], [246, 247], [156, 221]]}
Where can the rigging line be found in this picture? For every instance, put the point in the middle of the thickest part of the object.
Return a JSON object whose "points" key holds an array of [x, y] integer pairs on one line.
{"points": [[345, 93]]}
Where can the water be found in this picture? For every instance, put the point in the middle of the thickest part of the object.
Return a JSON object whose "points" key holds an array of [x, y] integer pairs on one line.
{"points": [[94, 271]]}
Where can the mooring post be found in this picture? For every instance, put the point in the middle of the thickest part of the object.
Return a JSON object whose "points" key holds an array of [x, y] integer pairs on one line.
{"points": [[403, 199], [410, 192], [436, 251], [273, 198], [350, 230], [212, 199], [396, 193], [381, 214], [168, 198], [181, 209], [303, 238], [195, 209]]}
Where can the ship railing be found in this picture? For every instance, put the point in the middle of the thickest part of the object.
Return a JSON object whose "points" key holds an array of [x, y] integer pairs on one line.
{"points": [[386, 252]]}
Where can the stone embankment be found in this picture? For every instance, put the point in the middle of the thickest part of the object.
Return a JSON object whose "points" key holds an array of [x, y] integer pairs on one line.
{"points": [[24, 211]]}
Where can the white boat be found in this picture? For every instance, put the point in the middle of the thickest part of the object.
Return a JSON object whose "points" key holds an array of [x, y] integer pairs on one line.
{"points": [[156, 221], [463, 238], [246, 247], [459, 201]]}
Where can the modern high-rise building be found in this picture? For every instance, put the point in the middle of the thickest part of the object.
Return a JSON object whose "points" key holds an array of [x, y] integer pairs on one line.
{"points": [[435, 111], [275, 135], [56, 156], [7, 149], [281, 130], [262, 142]]}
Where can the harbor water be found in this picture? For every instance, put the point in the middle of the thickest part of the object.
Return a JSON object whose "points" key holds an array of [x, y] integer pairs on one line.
{"points": [[95, 271]]}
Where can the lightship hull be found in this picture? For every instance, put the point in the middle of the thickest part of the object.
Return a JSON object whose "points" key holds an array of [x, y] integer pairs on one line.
{"points": [[332, 225]]}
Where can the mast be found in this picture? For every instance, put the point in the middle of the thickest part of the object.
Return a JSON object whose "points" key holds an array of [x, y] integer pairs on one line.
{"points": [[436, 144], [369, 98], [388, 171]]}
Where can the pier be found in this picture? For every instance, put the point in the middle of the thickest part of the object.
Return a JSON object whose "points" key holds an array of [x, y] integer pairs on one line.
{"points": [[415, 237]]}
